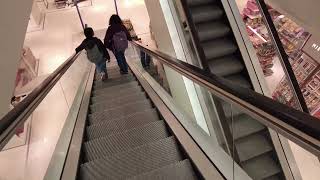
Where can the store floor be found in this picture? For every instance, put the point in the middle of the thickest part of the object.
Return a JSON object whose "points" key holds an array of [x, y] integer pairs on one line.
{"points": [[53, 45]]}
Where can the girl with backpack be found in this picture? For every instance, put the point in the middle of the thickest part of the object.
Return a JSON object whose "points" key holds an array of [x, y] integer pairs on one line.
{"points": [[116, 39], [96, 52]]}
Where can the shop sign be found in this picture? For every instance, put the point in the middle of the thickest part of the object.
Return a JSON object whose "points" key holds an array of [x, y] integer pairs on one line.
{"points": [[312, 48]]}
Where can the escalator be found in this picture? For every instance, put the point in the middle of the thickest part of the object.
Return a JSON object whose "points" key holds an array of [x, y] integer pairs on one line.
{"points": [[125, 137], [130, 127], [254, 147]]}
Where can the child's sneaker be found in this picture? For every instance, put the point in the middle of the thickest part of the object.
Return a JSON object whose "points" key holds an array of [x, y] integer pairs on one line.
{"points": [[104, 76]]}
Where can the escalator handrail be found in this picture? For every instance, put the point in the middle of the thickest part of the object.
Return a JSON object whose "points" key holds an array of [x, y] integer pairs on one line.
{"points": [[295, 125], [19, 114]]}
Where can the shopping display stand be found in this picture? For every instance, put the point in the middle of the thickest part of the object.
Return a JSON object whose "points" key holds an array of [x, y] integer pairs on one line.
{"points": [[258, 35], [27, 74]]}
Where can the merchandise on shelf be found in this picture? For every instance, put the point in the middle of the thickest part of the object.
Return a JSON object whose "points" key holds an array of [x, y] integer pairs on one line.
{"points": [[293, 37]]}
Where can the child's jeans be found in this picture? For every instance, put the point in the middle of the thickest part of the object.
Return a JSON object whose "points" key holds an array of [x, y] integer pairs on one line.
{"points": [[101, 67]]}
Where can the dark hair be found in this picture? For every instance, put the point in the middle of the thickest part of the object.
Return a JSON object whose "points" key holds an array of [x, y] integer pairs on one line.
{"points": [[88, 32], [115, 19]]}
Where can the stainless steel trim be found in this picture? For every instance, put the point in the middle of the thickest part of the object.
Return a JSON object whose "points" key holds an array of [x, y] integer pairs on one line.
{"points": [[56, 165], [73, 158]]}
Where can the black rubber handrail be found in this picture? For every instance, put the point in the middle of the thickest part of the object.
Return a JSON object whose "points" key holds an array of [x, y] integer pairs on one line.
{"points": [[19, 114], [297, 126]]}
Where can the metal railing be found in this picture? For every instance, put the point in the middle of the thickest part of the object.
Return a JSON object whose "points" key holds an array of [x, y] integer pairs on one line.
{"points": [[295, 125]]}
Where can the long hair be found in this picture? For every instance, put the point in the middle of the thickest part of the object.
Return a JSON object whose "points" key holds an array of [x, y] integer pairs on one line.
{"points": [[115, 19]]}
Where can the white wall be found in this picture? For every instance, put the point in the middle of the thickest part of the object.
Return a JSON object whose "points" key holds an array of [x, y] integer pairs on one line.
{"points": [[165, 44], [14, 17], [36, 13]]}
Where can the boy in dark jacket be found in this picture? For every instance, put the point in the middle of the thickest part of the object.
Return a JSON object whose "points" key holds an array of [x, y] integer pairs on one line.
{"points": [[96, 52]]}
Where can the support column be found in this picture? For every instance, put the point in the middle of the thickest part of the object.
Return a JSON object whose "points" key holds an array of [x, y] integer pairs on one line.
{"points": [[14, 18]]}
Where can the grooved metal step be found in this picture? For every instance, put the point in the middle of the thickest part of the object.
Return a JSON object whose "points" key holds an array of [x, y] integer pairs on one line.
{"points": [[253, 146], [121, 111], [108, 127], [212, 30], [230, 110], [239, 80], [262, 167], [133, 162], [122, 94], [120, 87], [206, 13], [178, 171], [118, 101], [199, 2], [225, 66], [219, 48], [275, 177], [245, 125], [119, 93], [126, 85], [114, 82], [106, 146]]}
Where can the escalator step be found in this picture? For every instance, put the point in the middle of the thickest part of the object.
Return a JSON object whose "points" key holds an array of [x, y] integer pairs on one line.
{"points": [[253, 146], [199, 2], [113, 82], [230, 111], [245, 125], [131, 163], [121, 111], [212, 30], [108, 127], [120, 94], [240, 80], [115, 143], [206, 13], [120, 87], [115, 85], [225, 66], [178, 171], [110, 103], [275, 177], [262, 167], [219, 48]]}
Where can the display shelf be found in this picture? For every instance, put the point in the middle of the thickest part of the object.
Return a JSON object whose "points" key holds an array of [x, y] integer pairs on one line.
{"points": [[293, 38]]}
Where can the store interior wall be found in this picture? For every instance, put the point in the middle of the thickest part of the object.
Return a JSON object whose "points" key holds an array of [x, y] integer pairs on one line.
{"points": [[14, 17], [306, 13], [35, 13]]}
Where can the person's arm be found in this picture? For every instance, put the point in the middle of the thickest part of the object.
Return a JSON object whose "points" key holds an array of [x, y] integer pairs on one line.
{"points": [[80, 47], [103, 49], [107, 39]]}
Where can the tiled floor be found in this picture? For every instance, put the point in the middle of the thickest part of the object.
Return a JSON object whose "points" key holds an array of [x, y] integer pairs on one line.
{"points": [[53, 45]]}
